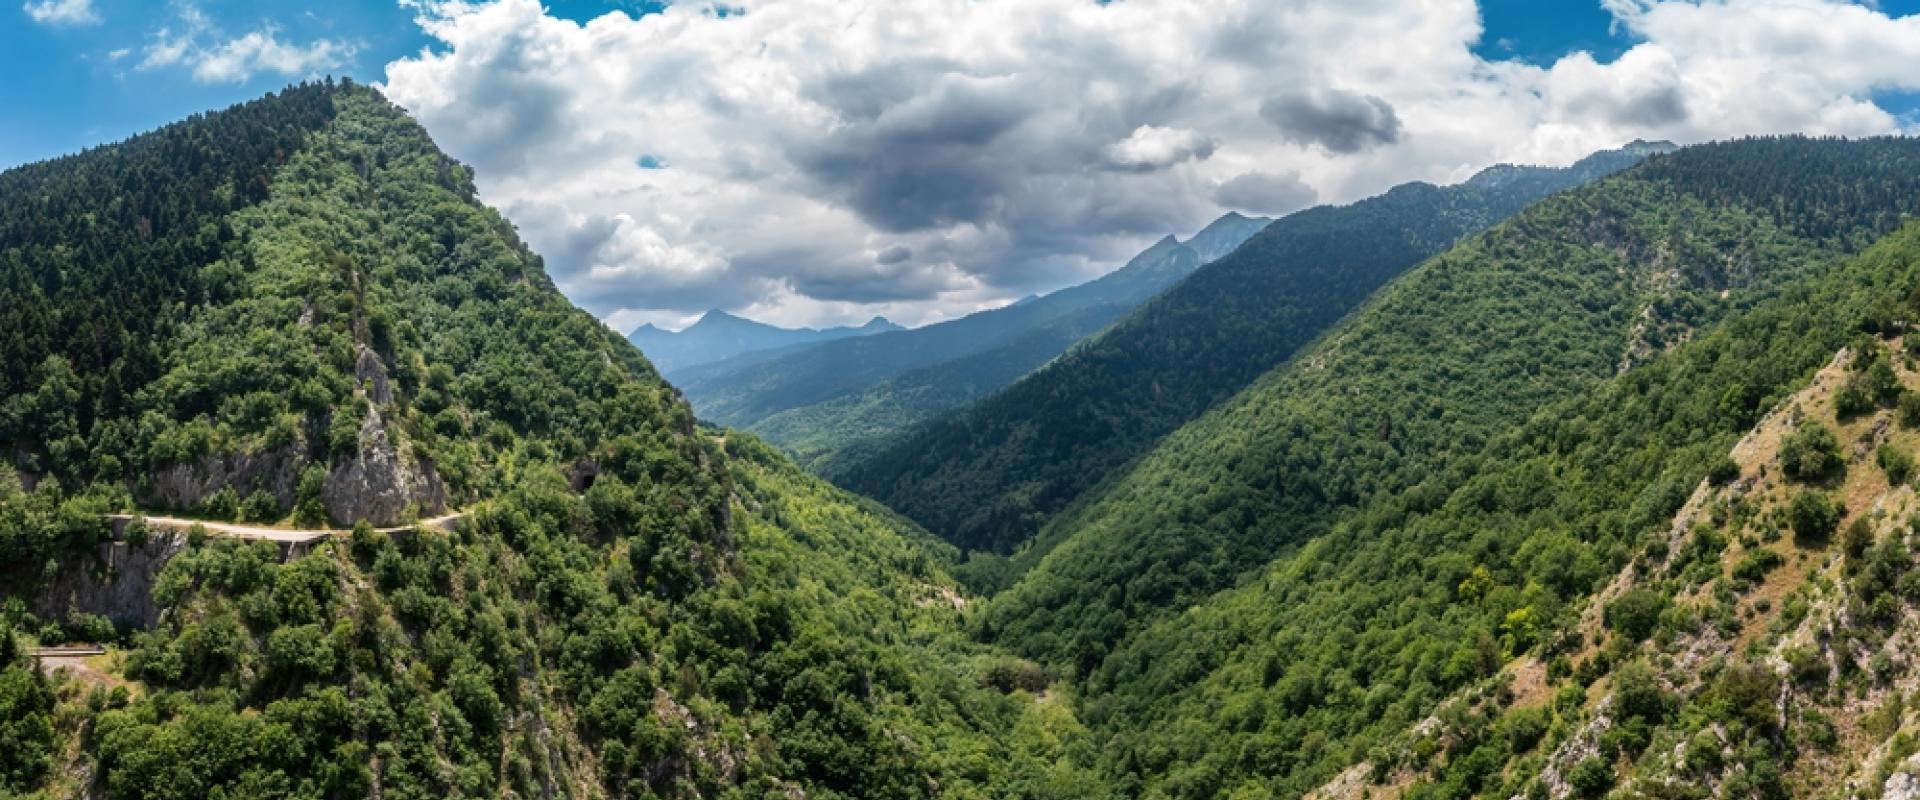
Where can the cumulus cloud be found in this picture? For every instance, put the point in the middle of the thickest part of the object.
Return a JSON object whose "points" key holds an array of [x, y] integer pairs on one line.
{"points": [[196, 43], [1265, 193], [817, 161], [1338, 120], [1150, 148], [62, 12]]}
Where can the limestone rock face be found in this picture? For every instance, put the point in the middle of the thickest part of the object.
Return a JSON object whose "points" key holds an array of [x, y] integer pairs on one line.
{"points": [[379, 482], [116, 583], [187, 484], [371, 373]]}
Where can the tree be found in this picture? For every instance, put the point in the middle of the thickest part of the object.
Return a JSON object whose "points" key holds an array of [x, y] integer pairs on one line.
{"points": [[1813, 517], [1810, 453]]}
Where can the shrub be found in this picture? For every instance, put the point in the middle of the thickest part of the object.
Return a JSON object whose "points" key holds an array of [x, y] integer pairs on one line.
{"points": [[1897, 463], [1813, 517], [1723, 472], [1592, 777], [1754, 567], [1810, 453], [1635, 613], [260, 507]]}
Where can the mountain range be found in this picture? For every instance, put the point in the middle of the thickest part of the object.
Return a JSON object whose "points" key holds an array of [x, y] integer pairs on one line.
{"points": [[718, 336], [989, 477], [1577, 483], [846, 395]]}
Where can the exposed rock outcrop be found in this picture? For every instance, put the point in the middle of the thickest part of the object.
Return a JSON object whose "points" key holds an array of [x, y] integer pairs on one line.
{"points": [[187, 484], [371, 373], [379, 483], [117, 583]]}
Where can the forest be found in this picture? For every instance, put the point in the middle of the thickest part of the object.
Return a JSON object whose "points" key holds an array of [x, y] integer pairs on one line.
{"points": [[1552, 484]]}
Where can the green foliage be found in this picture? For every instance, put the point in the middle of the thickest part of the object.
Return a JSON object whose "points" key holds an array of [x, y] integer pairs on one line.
{"points": [[681, 619], [1813, 516], [990, 477], [842, 400], [27, 739], [1896, 462], [1355, 635], [1811, 453], [1636, 613], [1755, 565]]}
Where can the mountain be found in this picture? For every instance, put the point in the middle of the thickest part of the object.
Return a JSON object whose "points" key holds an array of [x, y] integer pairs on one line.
{"points": [[822, 400], [989, 477], [718, 336], [1438, 484], [1625, 591], [296, 311]]}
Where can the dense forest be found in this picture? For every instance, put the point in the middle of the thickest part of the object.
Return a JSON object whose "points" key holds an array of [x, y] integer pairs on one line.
{"points": [[1576, 289], [990, 477], [631, 606], [1615, 496]]}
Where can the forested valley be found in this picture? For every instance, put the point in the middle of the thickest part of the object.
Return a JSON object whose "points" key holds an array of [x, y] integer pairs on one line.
{"points": [[1556, 483]]}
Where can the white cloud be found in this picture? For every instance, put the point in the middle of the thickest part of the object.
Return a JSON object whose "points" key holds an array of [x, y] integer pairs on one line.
{"points": [[819, 161], [62, 12], [237, 59], [1151, 147]]}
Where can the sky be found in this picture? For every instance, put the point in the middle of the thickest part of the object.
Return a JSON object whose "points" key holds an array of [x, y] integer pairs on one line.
{"points": [[818, 162]]}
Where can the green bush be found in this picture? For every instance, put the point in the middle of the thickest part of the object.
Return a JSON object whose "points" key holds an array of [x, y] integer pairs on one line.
{"points": [[1811, 453], [1635, 613], [1591, 778], [1813, 517], [1897, 463]]}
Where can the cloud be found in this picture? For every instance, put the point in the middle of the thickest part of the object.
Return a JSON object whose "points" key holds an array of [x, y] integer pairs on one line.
{"points": [[236, 59], [818, 162], [1338, 120], [1265, 193], [62, 13], [1151, 148]]}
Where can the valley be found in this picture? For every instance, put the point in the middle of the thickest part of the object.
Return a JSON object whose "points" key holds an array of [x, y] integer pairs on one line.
{"points": [[1550, 483]]}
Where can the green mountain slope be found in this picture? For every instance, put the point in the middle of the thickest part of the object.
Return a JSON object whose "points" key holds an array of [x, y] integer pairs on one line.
{"points": [[1545, 306], [1581, 588], [718, 336], [841, 393], [335, 327], [990, 477]]}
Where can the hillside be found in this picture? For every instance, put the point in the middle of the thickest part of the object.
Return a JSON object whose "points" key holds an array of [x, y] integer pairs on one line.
{"points": [[1578, 288], [822, 398], [991, 477], [312, 318], [1628, 589], [718, 336]]}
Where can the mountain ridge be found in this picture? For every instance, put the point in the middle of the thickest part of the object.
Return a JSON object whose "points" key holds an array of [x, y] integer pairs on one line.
{"points": [[990, 476]]}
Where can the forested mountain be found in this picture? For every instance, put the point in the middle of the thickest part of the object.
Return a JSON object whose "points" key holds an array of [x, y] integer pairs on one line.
{"points": [[1361, 475], [296, 310], [990, 477], [1691, 580], [822, 399], [718, 336]]}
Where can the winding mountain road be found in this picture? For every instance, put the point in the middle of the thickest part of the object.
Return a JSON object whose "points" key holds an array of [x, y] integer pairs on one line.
{"points": [[444, 522]]}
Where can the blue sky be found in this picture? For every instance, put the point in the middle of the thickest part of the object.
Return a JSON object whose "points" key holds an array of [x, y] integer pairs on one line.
{"points": [[820, 162], [68, 90]]}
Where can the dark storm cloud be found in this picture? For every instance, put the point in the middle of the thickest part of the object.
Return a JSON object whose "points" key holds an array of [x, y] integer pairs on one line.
{"points": [[1336, 119], [924, 161], [1265, 193], [894, 255]]}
